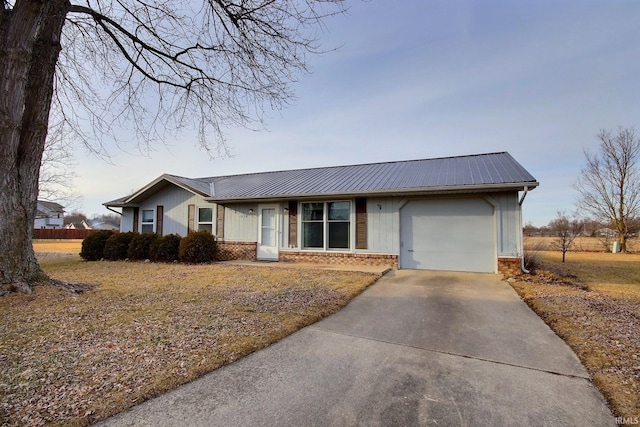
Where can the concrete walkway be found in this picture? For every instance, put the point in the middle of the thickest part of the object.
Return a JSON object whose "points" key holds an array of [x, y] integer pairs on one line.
{"points": [[417, 348]]}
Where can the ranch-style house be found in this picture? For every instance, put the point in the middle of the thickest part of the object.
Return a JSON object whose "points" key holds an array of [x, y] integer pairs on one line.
{"points": [[456, 213]]}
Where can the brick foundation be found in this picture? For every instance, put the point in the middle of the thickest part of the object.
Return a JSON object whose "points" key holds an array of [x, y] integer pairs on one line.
{"points": [[509, 267], [339, 258], [229, 251]]}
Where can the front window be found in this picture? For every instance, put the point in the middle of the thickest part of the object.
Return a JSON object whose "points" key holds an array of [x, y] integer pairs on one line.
{"points": [[147, 221], [205, 219], [326, 225], [313, 225], [338, 223]]}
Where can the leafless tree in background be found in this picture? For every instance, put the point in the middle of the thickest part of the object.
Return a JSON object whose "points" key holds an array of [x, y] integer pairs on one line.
{"points": [[609, 184], [57, 174], [137, 71], [565, 229]]}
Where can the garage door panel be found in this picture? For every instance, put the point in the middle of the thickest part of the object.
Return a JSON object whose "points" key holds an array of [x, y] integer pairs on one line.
{"points": [[456, 234]]}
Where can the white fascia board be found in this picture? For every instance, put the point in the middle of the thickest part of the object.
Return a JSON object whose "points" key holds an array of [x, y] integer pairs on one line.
{"points": [[164, 177], [462, 189]]}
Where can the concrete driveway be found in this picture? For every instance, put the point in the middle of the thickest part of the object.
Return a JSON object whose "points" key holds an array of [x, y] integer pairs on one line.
{"points": [[416, 348]]}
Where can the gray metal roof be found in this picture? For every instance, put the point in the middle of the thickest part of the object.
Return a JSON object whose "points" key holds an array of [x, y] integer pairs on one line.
{"points": [[495, 170], [196, 185], [481, 172]]}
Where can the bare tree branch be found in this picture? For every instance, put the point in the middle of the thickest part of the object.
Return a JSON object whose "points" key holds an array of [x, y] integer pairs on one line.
{"points": [[211, 64], [565, 230], [609, 184], [135, 71]]}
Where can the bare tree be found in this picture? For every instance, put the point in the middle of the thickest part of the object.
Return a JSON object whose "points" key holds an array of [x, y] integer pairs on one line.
{"points": [[57, 174], [609, 184], [94, 66], [565, 230]]}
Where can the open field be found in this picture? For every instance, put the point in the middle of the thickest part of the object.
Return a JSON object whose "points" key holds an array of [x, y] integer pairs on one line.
{"points": [[74, 358], [592, 301], [65, 246], [581, 244]]}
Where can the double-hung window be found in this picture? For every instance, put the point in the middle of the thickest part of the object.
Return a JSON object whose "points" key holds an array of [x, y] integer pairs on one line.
{"points": [[326, 225], [205, 219], [147, 221]]}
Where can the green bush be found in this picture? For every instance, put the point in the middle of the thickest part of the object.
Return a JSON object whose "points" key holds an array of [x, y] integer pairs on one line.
{"points": [[117, 246], [93, 245], [140, 245], [165, 248], [198, 247]]}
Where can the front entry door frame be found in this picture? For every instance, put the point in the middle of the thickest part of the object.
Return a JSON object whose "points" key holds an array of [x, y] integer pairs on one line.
{"points": [[268, 232]]}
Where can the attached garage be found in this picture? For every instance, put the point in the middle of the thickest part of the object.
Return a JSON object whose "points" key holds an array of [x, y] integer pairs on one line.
{"points": [[448, 234], [453, 213]]}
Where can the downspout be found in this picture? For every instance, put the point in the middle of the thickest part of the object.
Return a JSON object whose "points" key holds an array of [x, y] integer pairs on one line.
{"points": [[520, 202]]}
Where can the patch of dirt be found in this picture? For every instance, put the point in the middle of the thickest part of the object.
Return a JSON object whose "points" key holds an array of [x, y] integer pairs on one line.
{"points": [[73, 287], [557, 278]]}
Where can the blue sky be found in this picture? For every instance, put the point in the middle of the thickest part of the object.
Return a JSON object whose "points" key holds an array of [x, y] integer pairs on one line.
{"points": [[423, 79]]}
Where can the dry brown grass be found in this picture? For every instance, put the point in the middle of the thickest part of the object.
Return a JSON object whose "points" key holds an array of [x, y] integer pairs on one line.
{"points": [[592, 301], [72, 359], [69, 246]]}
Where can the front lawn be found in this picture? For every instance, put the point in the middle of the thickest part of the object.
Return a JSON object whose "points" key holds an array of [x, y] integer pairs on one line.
{"points": [[592, 301], [73, 359]]}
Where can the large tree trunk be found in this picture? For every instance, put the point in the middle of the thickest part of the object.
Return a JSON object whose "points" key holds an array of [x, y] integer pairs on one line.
{"points": [[622, 238], [29, 48]]}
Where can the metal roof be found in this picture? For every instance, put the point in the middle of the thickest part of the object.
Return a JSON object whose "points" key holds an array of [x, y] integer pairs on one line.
{"points": [[481, 172]]}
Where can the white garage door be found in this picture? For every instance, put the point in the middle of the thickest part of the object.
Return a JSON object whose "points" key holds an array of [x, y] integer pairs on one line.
{"points": [[448, 234]]}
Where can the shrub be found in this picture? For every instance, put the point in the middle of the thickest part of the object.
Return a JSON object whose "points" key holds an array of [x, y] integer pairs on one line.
{"points": [[197, 247], [165, 248], [532, 257], [140, 245], [93, 245], [117, 246]]}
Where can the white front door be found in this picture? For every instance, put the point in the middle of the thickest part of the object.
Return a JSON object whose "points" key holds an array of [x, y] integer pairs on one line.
{"points": [[268, 232]]}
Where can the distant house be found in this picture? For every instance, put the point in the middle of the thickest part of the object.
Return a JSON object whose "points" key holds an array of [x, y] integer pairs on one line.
{"points": [[81, 225], [101, 224], [94, 224], [49, 215], [457, 213]]}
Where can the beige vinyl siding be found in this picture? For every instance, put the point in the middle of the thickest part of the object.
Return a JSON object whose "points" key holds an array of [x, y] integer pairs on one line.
{"points": [[508, 223], [240, 224], [126, 221], [383, 225], [175, 202]]}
